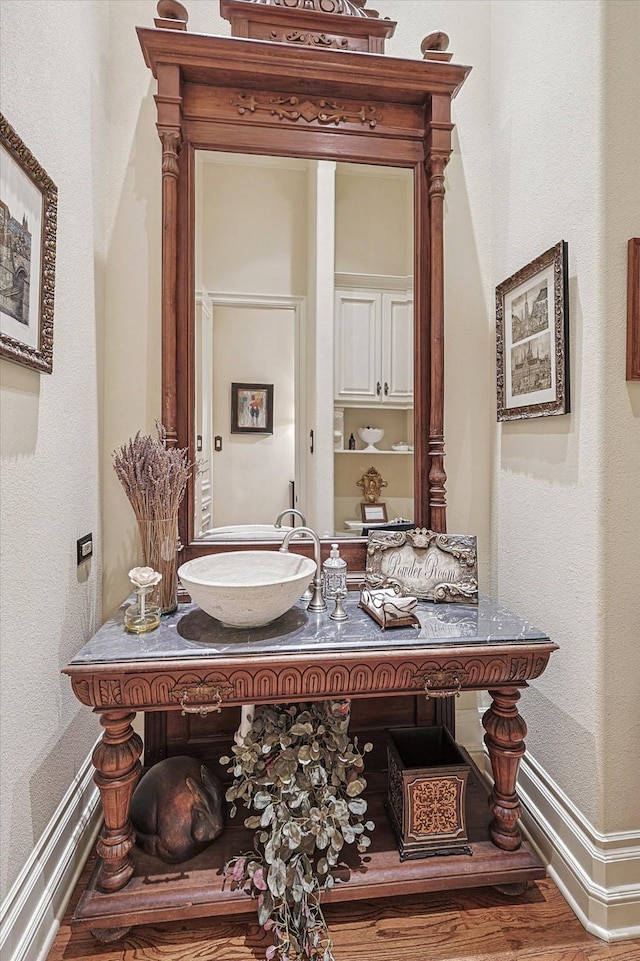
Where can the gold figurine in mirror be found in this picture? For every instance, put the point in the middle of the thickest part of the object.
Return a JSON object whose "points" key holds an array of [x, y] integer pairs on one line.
{"points": [[372, 483]]}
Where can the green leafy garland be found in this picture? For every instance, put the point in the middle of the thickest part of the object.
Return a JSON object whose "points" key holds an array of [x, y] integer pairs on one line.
{"points": [[299, 769]]}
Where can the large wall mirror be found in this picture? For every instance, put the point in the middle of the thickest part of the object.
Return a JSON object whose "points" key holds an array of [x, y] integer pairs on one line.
{"points": [[303, 291]]}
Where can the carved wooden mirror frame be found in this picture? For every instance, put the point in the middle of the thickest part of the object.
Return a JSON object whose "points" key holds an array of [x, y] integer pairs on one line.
{"points": [[297, 81]]}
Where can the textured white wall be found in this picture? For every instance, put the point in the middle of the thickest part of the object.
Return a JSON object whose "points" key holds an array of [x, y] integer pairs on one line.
{"points": [[548, 476], [53, 84], [620, 629], [565, 505]]}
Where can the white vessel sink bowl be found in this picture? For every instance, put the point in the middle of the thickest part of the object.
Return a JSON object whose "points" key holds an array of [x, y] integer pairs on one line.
{"points": [[247, 532], [247, 588]]}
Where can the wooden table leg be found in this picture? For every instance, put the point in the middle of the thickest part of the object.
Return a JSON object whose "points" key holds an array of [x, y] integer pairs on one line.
{"points": [[117, 762], [505, 732]]}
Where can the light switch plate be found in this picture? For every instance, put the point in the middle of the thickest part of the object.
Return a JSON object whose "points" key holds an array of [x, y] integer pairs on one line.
{"points": [[85, 548]]}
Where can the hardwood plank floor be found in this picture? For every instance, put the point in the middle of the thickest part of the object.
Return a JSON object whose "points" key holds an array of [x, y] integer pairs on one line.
{"points": [[469, 925]]}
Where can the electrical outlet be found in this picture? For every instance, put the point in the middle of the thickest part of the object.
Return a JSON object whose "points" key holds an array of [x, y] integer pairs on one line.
{"points": [[85, 548]]}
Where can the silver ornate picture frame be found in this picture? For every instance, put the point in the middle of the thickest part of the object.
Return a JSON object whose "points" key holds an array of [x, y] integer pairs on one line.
{"points": [[532, 345], [424, 564], [28, 221]]}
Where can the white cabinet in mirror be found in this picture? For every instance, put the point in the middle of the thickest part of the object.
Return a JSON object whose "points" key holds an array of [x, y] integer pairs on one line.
{"points": [[303, 283], [373, 355]]}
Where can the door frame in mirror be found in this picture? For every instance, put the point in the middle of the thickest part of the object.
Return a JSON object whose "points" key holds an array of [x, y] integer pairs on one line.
{"points": [[335, 103]]}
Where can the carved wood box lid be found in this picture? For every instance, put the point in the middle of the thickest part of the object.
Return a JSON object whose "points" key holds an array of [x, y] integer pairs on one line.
{"points": [[324, 24]]}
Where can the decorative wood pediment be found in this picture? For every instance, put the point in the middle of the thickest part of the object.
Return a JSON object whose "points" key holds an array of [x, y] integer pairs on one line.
{"points": [[324, 24]]}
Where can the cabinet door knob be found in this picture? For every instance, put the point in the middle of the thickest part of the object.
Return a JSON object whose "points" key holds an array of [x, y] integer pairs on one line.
{"points": [[378, 388], [386, 388]]}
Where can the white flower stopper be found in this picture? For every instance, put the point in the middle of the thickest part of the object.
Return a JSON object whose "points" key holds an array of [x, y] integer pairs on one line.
{"points": [[144, 577]]}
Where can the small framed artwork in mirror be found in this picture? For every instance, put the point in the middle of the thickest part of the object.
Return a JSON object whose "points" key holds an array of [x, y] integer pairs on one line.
{"points": [[532, 313], [252, 408], [374, 513]]}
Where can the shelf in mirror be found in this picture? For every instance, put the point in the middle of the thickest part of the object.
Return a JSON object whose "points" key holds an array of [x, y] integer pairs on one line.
{"points": [[398, 524]]}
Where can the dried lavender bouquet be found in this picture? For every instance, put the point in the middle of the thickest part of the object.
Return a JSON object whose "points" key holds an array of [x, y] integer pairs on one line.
{"points": [[154, 478]]}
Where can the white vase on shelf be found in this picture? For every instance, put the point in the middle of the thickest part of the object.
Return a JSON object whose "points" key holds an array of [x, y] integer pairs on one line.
{"points": [[370, 436]]}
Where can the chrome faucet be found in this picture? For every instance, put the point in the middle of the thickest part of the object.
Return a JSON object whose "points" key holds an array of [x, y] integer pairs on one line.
{"points": [[290, 510], [317, 604]]}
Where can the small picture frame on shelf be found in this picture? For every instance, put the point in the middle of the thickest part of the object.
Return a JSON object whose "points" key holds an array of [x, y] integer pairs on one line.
{"points": [[532, 347], [252, 408], [374, 513]]}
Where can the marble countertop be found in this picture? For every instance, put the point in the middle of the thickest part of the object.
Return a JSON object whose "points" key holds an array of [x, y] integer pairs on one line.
{"points": [[189, 632]]}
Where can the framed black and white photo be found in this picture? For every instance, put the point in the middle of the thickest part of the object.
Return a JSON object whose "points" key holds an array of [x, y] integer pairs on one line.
{"points": [[532, 315], [252, 408], [28, 218]]}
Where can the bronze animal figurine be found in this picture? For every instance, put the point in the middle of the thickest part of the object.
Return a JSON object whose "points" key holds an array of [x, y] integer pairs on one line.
{"points": [[177, 809]]}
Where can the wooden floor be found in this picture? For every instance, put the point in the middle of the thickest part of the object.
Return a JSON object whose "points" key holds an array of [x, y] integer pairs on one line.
{"points": [[473, 925]]}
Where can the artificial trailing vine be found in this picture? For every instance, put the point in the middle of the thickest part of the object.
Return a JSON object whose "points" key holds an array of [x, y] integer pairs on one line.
{"points": [[300, 771]]}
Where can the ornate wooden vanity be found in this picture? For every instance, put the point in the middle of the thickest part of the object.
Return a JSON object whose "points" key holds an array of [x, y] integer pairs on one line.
{"points": [[192, 665], [302, 79]]}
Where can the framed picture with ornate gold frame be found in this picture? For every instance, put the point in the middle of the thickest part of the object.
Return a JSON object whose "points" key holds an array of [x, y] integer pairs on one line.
{"points": [[28, 218], [532, 320]]}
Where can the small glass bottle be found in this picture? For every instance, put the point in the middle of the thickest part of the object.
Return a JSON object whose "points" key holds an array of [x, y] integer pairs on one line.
{"points": [[144, 614], [352, 442], [334, 582]]}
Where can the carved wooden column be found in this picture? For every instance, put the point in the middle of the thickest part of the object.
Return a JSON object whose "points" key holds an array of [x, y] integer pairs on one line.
{"points": [[117, 762], [422, 360], [168, 101], [440, 127], [434, 47], [505, 735], [437, 475]]}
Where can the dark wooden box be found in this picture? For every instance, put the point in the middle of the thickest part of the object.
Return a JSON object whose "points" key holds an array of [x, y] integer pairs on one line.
{"points": [[427, 790]]}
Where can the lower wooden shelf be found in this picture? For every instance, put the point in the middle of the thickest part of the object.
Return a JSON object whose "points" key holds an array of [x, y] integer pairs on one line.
{"points": [[194, 889]]}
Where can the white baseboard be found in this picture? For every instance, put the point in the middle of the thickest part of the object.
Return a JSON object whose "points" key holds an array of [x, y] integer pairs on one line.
{"points": [[598, 874], [30, 914]]}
